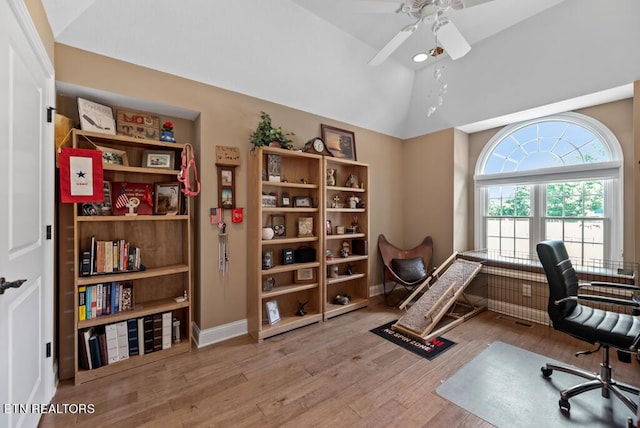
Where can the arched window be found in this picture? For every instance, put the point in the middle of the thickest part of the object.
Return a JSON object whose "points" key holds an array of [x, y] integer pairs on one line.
{"points": [[558, 177]]}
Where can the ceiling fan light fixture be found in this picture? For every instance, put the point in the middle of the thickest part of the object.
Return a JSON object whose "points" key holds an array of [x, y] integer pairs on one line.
{"points": [[420, 57], [437, 51], [449, 36]]}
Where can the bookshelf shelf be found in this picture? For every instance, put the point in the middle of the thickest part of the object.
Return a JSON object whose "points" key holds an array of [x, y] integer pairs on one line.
{"points": [[163, 243]]}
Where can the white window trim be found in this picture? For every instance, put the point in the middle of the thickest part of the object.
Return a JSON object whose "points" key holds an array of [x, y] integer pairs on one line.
{"points": [[612, 171]]}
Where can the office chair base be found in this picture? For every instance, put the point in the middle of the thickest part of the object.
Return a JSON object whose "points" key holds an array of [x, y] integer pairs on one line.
{"points": [[600, 380]]}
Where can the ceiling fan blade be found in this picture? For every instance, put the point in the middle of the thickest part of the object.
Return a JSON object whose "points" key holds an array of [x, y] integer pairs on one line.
{"points": [[394, 44], [371, 6], [465, 4], [451, 39]]}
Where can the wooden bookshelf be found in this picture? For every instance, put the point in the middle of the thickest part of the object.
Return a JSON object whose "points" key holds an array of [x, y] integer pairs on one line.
{"points": [[165, 251]]}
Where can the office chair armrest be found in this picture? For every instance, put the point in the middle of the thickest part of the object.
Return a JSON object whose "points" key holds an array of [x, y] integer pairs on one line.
{"points": [[610, 285], [601, 299]]}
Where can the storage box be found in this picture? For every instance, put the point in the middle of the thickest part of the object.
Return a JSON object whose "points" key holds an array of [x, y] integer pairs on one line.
{"points": [[359, 247]]}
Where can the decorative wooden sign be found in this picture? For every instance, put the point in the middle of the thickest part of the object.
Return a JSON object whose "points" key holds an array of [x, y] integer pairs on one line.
{"points": [[227, 156]]}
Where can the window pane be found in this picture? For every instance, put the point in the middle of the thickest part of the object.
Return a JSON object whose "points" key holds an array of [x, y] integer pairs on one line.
{"points": [[495, 207], [554, 229], [573, 230], [555, 207], [493, 227], [575, 252], [594, 231], [507, 227], [522, 246], [493, 245], [593, 252], [522, 228]]}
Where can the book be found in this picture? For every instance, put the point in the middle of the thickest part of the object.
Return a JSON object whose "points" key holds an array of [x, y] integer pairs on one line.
{"points": [[94, 296], [85, 268], [102, 341], [123, 340], [98, 300], [166, 330], [108, 256], [112, 343], [157, 332], [92, 251], [126, 302], [94, 352], [132, 334], [148, 334], [82, 305], [123, 192], [87, 301], [140, 336], [84, 359]]}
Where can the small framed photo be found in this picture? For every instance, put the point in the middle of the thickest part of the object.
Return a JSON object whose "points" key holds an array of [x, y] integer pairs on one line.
{"points": [[303, 275], [114, 156], [226, 187], [305, 226], [273, 313], [328, 228], [340, 142], [339, 230], [274, 167], [96, 117], [302, 202], [279, 225], [162, 159], [167, 198]]}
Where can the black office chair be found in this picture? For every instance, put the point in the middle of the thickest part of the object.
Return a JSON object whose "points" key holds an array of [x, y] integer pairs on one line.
{"points": [[607, 329]]}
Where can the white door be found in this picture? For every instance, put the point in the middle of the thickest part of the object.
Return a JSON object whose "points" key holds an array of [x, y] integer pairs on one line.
{"points": [[26, 207]]}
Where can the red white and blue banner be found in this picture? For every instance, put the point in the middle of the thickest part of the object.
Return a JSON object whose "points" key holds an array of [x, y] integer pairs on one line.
{"points": [[81, 175]]}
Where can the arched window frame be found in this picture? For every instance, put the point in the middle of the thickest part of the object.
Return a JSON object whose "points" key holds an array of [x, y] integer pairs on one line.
{"points": [[611, 171]]}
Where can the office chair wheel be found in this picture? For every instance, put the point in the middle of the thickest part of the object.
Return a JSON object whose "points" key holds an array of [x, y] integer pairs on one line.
{"points": [[565, 407], [546, 372]]}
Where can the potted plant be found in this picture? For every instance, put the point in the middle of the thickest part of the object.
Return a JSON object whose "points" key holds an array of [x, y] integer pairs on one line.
{"points": [[268, 135]]}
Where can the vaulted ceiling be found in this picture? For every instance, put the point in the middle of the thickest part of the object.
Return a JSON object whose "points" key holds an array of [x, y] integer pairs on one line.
{"points": [[528, 57]]}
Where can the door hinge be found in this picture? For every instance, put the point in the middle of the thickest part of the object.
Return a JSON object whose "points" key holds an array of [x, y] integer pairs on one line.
{"points": [[48, 350], [50, 114], [48, 231]]}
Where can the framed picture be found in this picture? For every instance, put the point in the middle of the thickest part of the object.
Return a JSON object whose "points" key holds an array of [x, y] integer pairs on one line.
{"points": [[340, 142], [162, 159], [114, 156], [279, 225], [273, 167], [328, 228], [305, 226], [273, 313], [96, 117], [305, 274], [167, 198], [226, 187], [302, 202]]}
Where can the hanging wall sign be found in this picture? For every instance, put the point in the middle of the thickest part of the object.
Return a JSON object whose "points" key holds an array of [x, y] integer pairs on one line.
{"points": [[81, 175], [227, 156]]}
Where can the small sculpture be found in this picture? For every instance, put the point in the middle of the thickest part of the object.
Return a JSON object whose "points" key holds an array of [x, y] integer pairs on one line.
{"points": [[343, 299], [352, 181], [301, 311], [331, 177], [353, 201], [349, 270], [336, 202], [345, 250]]}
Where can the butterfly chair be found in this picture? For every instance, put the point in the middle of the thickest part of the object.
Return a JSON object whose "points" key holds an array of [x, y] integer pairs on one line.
{"points": [[404, 268], [606, 328]]}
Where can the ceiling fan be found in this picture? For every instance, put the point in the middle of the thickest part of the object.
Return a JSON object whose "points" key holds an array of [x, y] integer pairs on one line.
{"points": [[430, 11]]}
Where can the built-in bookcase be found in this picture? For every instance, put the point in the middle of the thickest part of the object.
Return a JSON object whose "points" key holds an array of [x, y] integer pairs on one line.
{"points": [[159, 280]]}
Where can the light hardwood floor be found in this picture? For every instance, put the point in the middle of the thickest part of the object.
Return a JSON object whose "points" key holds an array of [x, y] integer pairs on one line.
{"points": [[334, 374]]}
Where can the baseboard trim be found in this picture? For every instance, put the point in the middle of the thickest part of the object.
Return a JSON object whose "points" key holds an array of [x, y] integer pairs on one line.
{"points": [[219, 333]]}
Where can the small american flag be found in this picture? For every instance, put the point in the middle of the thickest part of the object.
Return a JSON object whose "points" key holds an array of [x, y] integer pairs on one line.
{"points": [[122, 200]]}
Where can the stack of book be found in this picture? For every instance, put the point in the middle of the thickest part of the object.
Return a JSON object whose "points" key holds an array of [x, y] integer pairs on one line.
{"points": [[104, 299], [110, 257], [108, 344]]}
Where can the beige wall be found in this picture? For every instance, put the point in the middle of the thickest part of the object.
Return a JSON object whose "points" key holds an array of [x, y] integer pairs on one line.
{"points": [[39, 17], [228, 118]]}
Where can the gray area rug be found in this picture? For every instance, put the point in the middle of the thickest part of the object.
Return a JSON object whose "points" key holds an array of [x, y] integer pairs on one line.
{"points": [[503, 385]]}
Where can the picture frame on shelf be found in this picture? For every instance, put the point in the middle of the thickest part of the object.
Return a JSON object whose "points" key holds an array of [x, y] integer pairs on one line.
{"points": [[96, 117], [113, 156], [278, 224], [167, 199], [274, 168], [304, 275], [340, 142], [305, 226], [226, 187], [273, 312], [302, 202], [160, 159]]}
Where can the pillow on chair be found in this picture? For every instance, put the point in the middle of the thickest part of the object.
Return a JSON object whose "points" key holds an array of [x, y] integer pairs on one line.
{"points": [[409, 270]]}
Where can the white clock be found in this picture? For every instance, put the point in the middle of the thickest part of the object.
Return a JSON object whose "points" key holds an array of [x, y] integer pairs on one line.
{"points": [[318, 145]]}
